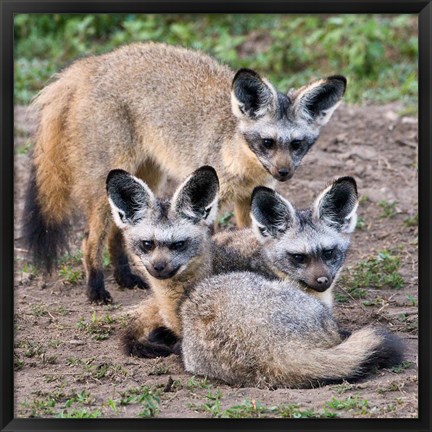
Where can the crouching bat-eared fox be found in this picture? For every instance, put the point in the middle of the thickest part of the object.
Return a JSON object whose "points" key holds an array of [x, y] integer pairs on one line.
{"points": [[221, 309], [156, 110]]}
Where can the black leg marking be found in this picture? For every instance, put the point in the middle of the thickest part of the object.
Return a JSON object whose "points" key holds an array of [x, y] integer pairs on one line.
{"points": [[163, 336], [147, 349], [122, 271], [96, 291]]}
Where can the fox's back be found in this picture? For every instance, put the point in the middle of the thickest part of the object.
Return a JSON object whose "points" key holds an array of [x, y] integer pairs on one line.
{"points": [[262, 310]]}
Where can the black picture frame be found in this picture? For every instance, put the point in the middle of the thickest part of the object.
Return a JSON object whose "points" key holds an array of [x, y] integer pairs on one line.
{"points": [[424, 11]]}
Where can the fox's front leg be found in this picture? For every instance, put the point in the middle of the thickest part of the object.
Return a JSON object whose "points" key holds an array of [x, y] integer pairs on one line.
{"points": [[145, 335], [242, 212], [123, 274]]}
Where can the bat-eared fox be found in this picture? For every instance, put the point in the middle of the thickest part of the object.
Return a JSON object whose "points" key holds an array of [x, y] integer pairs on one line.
{"points": [[241, 327], [156, 110]]}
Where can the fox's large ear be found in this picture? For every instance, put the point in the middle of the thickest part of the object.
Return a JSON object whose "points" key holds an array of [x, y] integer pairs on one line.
{"points": [[129, 197], [271, 214], [251, 96], [337, 205], [317, 101], [197, 198]]}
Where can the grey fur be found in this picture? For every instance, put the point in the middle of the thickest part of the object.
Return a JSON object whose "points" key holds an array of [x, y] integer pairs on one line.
{"points": [[245, 330]]}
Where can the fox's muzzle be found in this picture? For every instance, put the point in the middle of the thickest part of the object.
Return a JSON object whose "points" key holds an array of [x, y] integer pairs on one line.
{"points": [[162, 270], [320, 284], [282, 174]]}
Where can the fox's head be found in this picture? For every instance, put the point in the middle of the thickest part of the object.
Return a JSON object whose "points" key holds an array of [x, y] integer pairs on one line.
{"points": [[310, 245], [281, 128], [170, 237]]}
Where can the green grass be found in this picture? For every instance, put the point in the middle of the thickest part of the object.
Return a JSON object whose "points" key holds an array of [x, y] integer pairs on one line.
{"points": [[349, 403], [389, 209], [411, 221], [146, 397], [401, 367], [377, 53], [250, 408], [99, 328], [375, 272]]}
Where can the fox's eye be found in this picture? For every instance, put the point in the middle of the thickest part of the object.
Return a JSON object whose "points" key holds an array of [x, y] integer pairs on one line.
{"points": [[268, 143], [147, 245], [296, 144], [178, 245], [299, 258], [328, 254]]}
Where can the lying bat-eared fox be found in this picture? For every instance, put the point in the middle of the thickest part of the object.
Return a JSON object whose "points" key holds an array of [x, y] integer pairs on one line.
{"points": [[246, 330], [306, 246], [239, 327], [156, 110]]}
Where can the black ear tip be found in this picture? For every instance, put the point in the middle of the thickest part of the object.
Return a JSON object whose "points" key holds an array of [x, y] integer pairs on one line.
{"points": [[348, 181], [115, 173], [340, 79], [245, 73], [207, 171], [260, 191]]}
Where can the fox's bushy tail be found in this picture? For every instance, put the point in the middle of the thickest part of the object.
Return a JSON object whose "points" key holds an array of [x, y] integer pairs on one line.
{"points": [[354, 358], [47, 207]]}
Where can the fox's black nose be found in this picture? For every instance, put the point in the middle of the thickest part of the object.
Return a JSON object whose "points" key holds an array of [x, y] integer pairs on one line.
{"points": [[323, 281], [159, 266], [283, 172]]}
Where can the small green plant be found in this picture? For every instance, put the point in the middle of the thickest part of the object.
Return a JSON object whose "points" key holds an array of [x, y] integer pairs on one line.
{"points": [[99, 328], [401, 367], [389, 209], [361, 224], [30, 269], [225, 219], [347, 404], [144, 396], [39, 310], [194, 382], [160, 369], [40, 407], [411, 221], [18, 362], [293, 411], [412, 301], [378, 272], [71, 275], [79, 413]]}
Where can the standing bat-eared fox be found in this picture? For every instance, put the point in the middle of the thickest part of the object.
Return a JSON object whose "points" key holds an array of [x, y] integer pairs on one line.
{"points": [[156, 110], [239, 326]]}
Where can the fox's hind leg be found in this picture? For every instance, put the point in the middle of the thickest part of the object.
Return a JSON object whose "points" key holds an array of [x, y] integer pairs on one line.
{"points": [[99, 221]]}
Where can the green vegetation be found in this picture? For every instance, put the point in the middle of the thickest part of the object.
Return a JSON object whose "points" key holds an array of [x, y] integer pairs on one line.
{"points": [[225, 219], [146, 397], [401, 367], [411, 220], [254, 409], [389, 209], [46, 404], [348, 404], [377, 53], [99, 328], [375, 272]]}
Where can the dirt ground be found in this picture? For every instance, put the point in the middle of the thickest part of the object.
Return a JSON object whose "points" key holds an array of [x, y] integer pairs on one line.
{"points": [[67, 359]]}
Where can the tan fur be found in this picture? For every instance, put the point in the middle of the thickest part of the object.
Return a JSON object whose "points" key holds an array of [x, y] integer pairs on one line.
{"points": [[153, 110]]}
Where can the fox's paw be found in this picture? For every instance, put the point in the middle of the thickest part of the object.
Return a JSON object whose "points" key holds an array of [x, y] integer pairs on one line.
{"points": [[126, 279], [96, 291], [99, 296]]}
